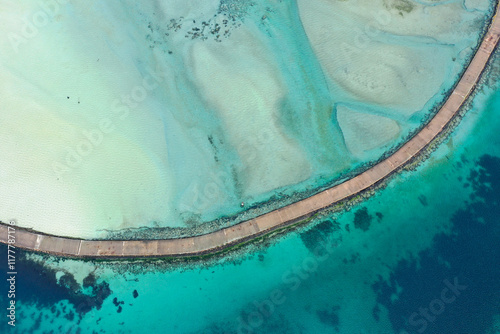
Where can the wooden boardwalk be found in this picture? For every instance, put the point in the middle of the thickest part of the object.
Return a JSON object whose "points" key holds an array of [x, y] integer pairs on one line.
{"points": [[230, 236]]}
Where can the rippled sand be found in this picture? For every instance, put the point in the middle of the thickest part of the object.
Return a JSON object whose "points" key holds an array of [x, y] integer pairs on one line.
{"points": [[173, 113]]}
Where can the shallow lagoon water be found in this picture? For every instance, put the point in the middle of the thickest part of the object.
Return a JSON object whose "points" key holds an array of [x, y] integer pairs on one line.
{"points": [[390, 256], [172, 114]]}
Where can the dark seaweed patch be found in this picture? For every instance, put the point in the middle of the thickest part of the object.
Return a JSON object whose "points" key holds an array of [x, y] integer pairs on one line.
{"points": [[362, 219], [354, 258], [423, 200], [89, 281], [469, 254], [38, 284], [319, 233], [330, 317]]}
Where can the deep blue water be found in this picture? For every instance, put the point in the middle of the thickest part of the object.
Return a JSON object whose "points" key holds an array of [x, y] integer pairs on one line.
{"points": [[465, 262]]}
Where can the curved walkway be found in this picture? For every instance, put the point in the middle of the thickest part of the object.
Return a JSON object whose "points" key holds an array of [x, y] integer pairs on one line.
{"points": [[230, 236]]}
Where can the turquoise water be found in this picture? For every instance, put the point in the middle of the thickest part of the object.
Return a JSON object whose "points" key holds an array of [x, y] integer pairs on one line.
{"points": [[169, 115], [383, 266]]}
